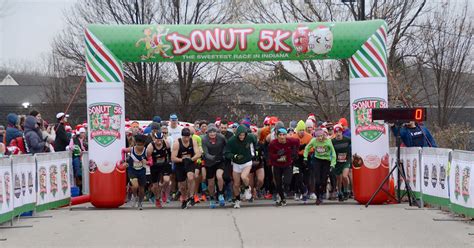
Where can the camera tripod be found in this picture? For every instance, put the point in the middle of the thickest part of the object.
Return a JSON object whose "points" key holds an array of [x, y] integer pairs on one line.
{"points": [[400, 175]]}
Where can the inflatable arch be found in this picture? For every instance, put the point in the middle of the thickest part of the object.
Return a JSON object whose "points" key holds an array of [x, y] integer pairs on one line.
{"points": [[363, 43]]}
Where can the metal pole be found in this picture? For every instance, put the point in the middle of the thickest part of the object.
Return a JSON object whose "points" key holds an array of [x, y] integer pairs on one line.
{"points": [[362, 10]]}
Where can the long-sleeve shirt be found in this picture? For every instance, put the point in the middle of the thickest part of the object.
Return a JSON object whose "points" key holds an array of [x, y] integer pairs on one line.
{"points": [[282, 154], [322, 150], [213, 150], [303, 141]]}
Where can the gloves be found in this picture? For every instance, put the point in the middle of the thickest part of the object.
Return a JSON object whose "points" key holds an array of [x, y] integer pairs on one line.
{"points": [[238, 157], [187, 161]]}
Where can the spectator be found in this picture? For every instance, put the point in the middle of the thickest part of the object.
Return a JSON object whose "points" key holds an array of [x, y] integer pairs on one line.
{"points": [[2, 134], [12, 129], [2, 150], [157, 121], [62, 139], [79, 144], [33, 140], [414, 135]]}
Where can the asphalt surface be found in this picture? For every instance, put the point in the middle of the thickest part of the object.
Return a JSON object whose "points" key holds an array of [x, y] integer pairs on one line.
{"points": [[258, 224]]}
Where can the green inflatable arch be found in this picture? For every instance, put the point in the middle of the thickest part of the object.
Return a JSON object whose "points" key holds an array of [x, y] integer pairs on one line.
{"points": [[362, 43]]}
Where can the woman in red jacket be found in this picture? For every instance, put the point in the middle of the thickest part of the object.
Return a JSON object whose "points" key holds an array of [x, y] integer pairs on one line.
{"points": [[282, 152]]}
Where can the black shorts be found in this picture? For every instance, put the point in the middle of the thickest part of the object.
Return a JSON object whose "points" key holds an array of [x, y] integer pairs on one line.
{"points": [[138, 174], [159, 170], [182, 170], [211, 170], [256, 165]]}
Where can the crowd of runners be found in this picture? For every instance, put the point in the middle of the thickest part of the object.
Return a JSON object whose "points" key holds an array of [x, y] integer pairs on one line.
{"points": [[223, 163]]}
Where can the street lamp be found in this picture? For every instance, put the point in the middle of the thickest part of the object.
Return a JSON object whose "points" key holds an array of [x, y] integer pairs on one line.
{"points": [[26, 105]]}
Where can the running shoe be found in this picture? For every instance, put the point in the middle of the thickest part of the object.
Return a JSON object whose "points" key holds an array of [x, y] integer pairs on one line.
{"points": [[221, 200], [297, 197], [278, 203], [212, 203], [312, 196], [248, 193], [133, 202], [283, 202], [196, 198], [346, 196], [140, 205], [340, 197], [319, 201], [203, 198], [268, 196], [158, 203], [305, 198], [237, 204], [184, 204]]}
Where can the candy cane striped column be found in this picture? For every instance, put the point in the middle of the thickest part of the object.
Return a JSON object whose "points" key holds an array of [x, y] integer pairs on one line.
{"points": [[101, 64], [368, 90]]}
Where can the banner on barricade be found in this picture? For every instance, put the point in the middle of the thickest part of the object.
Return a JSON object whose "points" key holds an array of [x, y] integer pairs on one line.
{"points": [[435, 162], [409, 157], [461, 187], [24, 181], [6, 190], [54, 186]]}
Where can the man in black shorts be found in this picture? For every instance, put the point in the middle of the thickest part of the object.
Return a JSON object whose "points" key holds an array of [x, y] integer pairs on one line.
{"points": [[184, 154], [159, 151], [213, 145]]}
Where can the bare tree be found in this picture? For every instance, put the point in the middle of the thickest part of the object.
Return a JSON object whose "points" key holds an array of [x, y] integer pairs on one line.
{"points": [[326, 82], [151, 87], [444, 66]]}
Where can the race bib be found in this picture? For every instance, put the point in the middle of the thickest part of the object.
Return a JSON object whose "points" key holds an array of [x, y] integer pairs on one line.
{"points": [[282, 159], [160, 160], [342, 157], [321, 149], [137, 165]]}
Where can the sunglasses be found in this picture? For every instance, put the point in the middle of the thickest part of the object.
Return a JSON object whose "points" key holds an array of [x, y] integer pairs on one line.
{"points": [[164, 132]]}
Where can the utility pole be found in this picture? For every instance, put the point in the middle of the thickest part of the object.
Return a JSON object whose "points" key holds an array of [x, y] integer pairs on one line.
{"points": [[361, 10]]}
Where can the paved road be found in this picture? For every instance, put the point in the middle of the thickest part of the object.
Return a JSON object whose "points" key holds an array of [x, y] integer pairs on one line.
{"points": [[258, 225]]}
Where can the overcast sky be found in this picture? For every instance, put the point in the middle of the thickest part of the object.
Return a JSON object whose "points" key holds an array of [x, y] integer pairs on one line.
{"points": [[27, 28]]}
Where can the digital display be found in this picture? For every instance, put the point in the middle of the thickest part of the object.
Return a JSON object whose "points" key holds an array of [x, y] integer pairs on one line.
{"points": [[399, 114]]}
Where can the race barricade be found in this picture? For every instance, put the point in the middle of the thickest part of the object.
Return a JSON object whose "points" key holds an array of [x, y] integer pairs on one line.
{"points": [[6, 190], [54, 181], [461, 186], [434, 163], [24, 183], [410, 158], [85, 173]]}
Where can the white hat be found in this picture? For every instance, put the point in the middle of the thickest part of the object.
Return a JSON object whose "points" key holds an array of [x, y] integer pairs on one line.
{"points": [[82, 130], [60, 115]]}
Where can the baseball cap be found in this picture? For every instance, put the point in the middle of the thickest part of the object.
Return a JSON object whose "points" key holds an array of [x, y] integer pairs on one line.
{"points": [[173, 117], [186, 132], [157, 119], [282, 130], [60, 115], [82, 130]]}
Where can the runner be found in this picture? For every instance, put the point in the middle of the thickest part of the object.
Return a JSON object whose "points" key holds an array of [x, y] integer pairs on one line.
{"points": [[241, 149], [184, 154], [257, 173], [200, 171], [301, 171], [224, 127], [159, 151], [213, 145], [282, 151], [342, 146], [174, 129], [136, 169], [324, 159]]}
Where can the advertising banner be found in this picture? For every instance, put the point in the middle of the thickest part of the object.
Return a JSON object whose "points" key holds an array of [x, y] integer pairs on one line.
{"points": [[6, 190], [461, 187], [434, 178], [105, 106], [369, 138], [230, 42], [24, 182], [54, 186]]}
